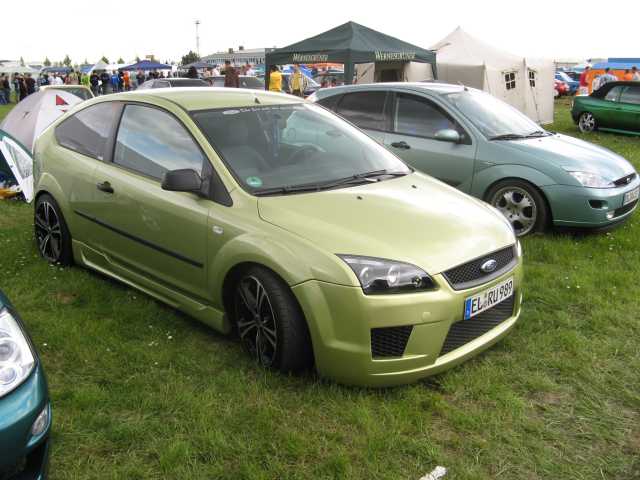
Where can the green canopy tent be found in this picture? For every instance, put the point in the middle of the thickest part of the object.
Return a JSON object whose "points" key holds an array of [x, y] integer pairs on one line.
{"points": [[349, 44]]}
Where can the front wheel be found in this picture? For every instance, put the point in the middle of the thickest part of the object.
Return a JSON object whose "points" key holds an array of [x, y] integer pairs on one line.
{"points": [[521, 204], [587, 122], [270, 322]]}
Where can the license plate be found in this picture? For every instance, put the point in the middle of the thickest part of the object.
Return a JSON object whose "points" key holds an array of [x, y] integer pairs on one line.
{"points": [[484, 300], [631, 196]]}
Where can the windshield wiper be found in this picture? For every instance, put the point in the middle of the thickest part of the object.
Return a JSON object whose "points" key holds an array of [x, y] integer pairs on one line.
{"points": [[508, 136], [315, 187], [538, 133]]}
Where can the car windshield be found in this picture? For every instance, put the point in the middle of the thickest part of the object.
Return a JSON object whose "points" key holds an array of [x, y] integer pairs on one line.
{"points": [[284, 148], [494, 118]]}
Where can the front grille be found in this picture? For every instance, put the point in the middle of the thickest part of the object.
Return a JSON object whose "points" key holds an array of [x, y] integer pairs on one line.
{"points": [[621, 182], [389, 341], [462, 332], [618, 212], [470, 275]]}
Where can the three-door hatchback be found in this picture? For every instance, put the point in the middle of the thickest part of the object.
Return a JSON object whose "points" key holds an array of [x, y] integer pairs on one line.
{"points": [[485, 147], [262, 213]]}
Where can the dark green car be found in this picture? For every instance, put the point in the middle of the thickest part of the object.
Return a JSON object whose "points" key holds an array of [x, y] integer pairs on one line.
{"points": [[614, 107]]}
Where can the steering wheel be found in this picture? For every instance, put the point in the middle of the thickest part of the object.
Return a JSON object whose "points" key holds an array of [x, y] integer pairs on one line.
{"points": [[303, 152]]}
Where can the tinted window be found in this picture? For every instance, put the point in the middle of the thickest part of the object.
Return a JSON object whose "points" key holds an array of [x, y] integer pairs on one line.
{"points": [[612, 95], [329, 102], [161, 84], [87, 131], [152, 142], [364, 109], [631, 95], [420, 117], [189, 82]]}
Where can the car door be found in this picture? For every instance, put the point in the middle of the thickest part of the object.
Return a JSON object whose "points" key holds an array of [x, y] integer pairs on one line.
{"points": [[366, 110], [415, 121], [629, 108], [145, 230], [83, 142]]}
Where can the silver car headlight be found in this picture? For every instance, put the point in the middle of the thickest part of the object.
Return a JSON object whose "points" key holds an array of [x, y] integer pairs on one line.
{"points": [[591, 180], [16, 358], [380, 276]]}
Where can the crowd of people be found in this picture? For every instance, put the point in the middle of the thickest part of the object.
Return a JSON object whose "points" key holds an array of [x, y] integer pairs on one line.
{"points": [[629, 75]]}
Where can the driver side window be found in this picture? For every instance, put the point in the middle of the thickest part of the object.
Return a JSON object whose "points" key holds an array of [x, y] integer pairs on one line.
{"points": [[613, 94], [418, 117]]}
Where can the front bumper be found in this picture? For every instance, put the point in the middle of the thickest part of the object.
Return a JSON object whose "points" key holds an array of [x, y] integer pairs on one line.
{"points": [[589, 207], [23, 456], [341, 318]]}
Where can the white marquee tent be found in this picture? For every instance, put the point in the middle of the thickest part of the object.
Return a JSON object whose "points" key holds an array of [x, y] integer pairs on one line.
{"points": [[525, 83]]}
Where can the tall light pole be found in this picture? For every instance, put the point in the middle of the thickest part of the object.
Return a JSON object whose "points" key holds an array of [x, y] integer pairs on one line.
{"points": [[197, 38]]}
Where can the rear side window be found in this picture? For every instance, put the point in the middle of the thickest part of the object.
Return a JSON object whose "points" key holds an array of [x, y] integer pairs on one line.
{"points": [[152, 142], [419, 117], [364, 109], [88, 131], [631, 95], [329, 102]]}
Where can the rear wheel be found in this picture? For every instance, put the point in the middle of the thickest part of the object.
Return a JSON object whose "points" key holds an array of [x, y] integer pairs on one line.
{"points": [[270, 322], [521, 204], [51, 232], [587, 122]]}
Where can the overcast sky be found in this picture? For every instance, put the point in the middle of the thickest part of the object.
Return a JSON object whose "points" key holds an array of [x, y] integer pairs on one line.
{"points": [[84, 29]]}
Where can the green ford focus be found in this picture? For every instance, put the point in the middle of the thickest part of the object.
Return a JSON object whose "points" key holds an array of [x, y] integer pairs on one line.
{"points": [[261, 214], [484, 147]]}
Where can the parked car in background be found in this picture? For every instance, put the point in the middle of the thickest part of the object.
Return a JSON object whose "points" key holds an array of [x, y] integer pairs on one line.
{"points": [[484, 147], [173, 82], [614, 107], [246, 81], [328, 77], [570, 82], [78, 90], [25, 411], [560, 88], [268, 215]]}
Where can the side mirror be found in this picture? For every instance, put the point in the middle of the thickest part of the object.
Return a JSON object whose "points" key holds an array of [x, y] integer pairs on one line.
{"points": [[448, 135], [183, 180]]}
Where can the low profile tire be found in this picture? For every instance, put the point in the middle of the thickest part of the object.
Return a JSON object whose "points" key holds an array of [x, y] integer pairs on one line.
{"points": [[522, 205], [587, 122], [270, 322], [52, 235]]}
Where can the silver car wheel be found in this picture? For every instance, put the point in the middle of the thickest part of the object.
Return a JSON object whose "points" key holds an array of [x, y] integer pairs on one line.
{"points": [[587, 122], [48, 232], [518, 206]]}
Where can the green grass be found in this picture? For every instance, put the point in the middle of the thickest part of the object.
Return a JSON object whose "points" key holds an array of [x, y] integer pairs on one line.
{"points": [[141, 391]]}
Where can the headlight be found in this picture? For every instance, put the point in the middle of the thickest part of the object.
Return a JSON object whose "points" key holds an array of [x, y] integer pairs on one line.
{"points": [[378, 276], [591, 180], [16, 358]]}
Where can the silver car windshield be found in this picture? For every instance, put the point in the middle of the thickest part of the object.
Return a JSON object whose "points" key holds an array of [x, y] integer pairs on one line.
{"points": [[493, 117], [287, 148]]}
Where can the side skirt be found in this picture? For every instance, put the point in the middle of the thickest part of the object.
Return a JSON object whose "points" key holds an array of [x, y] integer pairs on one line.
{"points": [[92, 259]]}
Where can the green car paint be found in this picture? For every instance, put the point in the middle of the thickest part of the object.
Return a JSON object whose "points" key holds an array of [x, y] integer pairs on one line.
{"points": [[23, 454], [614, 107], [486, 153], [188, 249]]}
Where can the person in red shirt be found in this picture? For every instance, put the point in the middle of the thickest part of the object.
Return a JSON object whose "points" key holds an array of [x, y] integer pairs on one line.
{"points": [[583, 76]]}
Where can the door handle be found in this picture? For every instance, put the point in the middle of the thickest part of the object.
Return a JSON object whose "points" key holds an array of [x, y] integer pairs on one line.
{"points": [[105, 187], [402, 145]]}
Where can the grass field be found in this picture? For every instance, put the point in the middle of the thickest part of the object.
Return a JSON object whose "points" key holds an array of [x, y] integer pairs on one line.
{"points": [[142, 392]]}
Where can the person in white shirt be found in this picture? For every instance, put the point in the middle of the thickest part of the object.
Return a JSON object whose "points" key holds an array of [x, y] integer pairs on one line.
{"points": [[249, 70], [635, 73]]}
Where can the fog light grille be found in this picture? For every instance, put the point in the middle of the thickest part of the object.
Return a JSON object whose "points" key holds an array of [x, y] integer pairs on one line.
{"points": [[389, 341], [464, 331]]}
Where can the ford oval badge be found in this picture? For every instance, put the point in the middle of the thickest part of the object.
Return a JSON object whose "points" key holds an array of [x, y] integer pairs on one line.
{"points": [[489, 266]]}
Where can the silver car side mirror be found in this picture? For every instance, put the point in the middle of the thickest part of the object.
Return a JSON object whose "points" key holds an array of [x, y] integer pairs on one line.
{"points": [[448, 135]]}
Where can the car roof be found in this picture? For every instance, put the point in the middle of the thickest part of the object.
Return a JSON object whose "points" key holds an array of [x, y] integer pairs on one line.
{"points": [[204, 98], [603, 90], [434, 87]]}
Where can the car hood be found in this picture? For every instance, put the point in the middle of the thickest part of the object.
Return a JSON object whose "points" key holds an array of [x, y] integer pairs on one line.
{"points": [[574, 154], [414, 219]]}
